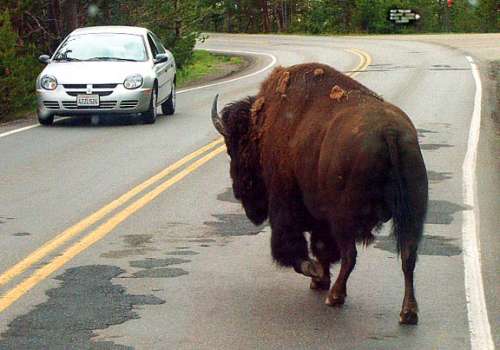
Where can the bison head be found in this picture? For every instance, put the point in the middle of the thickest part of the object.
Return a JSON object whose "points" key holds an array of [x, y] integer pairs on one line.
{"points": [[235, 125]]}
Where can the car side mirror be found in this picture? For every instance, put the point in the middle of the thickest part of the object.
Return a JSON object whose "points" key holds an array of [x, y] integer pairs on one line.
{"points": [[162, 57], [44, 59]]}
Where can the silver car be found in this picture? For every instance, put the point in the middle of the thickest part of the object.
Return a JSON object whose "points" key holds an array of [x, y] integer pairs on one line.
{"points": [[110, 69]]}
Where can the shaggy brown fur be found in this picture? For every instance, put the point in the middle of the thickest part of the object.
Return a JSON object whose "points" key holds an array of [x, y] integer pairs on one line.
{"points": [[337, 167], [337, 93], [257, 106], [283, 83], [318, 72]]}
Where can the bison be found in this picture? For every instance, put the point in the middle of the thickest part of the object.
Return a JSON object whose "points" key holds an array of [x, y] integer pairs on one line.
{"points": [[316, 151]]}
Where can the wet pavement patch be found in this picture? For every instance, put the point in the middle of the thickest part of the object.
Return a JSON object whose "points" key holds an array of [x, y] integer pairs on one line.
{"points": [[227, 196], [137, 245], [152, 263], [182, 252], [430, 245], [164, 272], [422, 132], [4, 219], [85, 301], [203, 240], [436, 176], [448, 68], [20, 234], [441, 212], [137, 240], [433, 146], [233, 225], [124, 253]]}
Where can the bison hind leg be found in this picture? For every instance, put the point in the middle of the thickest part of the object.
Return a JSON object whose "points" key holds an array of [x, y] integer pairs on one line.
{"points": [[346, 242]]}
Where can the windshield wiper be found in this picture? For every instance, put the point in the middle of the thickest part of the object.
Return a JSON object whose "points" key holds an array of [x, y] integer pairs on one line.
{"points": [[105, 58], [69, 59]]}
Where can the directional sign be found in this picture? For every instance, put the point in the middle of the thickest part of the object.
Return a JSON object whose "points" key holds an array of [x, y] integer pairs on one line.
{"points": [[403, 16]]}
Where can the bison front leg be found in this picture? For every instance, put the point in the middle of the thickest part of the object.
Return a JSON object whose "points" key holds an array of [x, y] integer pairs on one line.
{"points": [[288, 244], [289, 248], [324, 248], [348, 253]]}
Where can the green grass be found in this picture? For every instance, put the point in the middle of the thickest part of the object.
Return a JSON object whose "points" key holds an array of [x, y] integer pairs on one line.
{"points": [[202, 64]]}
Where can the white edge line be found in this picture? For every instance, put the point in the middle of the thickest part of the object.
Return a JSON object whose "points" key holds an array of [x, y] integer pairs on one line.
{"points": [[15, 131], [272, 63], [479, 326]]}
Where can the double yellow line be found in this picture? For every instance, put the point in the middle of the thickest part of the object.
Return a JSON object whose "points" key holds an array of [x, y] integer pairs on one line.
{"points": [[365, 61], [100, 232], [171, 175]]}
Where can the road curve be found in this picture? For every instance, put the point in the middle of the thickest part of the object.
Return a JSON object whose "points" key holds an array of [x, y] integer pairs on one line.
{"points": [[173, 263]]}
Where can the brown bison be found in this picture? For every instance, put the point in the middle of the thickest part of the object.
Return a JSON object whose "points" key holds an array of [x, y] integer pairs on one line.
{"points": [[315, 151]]}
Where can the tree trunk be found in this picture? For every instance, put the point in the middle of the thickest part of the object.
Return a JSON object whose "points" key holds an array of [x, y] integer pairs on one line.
{"points": [[265, 16], [69, 16], [178, 21]]}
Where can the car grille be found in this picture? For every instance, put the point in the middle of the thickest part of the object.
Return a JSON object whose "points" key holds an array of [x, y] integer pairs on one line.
{"points": [[83, 92], [126, 104], [84, 86], [102, 105], [75, 86], [51, 104], [96, 89], [104, 86]]}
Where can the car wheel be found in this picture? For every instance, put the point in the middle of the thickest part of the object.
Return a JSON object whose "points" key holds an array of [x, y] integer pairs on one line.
{"points": [[149, 117], [46, 120], [168, 107]]}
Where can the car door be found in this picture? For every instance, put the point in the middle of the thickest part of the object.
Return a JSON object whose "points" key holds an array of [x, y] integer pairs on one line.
{"points": [[161, 71], [171, 68]]}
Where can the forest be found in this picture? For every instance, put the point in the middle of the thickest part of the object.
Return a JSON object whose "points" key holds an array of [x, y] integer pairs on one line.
{"points": [[29, 28]]}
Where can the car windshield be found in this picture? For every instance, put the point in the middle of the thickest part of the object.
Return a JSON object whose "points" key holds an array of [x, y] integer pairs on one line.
{"points": [[102, 47]]}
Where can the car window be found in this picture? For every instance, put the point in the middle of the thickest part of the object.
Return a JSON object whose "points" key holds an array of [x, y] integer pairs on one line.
{"points": [[159, 45], [102, 46], [152, 44]]}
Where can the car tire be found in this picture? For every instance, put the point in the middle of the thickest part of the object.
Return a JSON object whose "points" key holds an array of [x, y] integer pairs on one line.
{"points": [[168, 107], [46, 121], [149, 117]]}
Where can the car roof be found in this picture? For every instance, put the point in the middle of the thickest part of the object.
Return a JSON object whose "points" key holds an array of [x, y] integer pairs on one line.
{"points": [[111, 29]]}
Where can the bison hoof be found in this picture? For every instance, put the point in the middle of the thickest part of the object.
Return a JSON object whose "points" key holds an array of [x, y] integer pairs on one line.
{"points": [[312, 269], [408, 317], [335, 300], [319, 284]]}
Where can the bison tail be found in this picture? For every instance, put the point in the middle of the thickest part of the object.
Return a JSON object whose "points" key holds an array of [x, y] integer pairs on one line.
{"points": [[408, 190]]}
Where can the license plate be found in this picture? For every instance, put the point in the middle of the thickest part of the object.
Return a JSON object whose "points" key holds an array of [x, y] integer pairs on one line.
{"points": [[87, 100]]}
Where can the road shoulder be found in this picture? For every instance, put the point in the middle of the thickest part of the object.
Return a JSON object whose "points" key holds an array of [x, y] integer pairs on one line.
{"points": [[488, 175]]}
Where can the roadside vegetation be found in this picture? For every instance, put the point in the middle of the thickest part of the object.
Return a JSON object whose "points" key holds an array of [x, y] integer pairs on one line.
{"points": [[204, 64], [349, 16], [29, 28]]}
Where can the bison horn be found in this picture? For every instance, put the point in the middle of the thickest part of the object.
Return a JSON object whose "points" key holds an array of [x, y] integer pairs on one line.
{"points": [[216, 119]]}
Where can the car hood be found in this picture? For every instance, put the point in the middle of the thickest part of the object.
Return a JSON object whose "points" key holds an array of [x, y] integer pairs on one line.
{"points": [[109, 72]]}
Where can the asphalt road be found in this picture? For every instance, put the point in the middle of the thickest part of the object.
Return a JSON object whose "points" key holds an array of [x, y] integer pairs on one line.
{"points": [[180, 267]]}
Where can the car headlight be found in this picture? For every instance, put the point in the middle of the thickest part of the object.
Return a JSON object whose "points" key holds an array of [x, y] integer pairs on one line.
{"points": [[133, 81], [48, 82]]}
